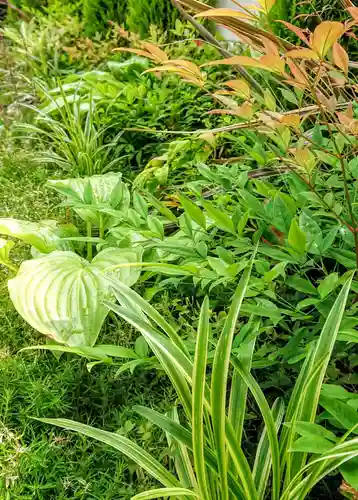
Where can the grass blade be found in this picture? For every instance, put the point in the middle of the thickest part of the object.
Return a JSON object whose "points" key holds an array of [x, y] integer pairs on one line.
{"points": [[177, 366]]}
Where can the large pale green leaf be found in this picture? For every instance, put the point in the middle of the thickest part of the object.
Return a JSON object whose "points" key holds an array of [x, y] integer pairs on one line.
{"points": [[118, 260], [45, 236], [88, 195], [61, 295]]}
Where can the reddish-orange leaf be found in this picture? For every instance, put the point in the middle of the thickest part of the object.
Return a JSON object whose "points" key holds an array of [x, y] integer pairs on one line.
{"points": [[241, 60], [246, 111], [138, 52], [298, 71], [240, 86], [301, 35], [222, 112], [158, 53], [193, 68], [302, 54], [291, 120], [275, 63], [351, 35], [353, 12], [224, 13], [340, 57], [328, 102], [271, 48], [325, 36], [344, 119]]}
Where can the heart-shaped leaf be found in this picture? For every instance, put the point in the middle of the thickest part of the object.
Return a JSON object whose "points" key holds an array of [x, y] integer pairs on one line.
{"points": [[61, 295]]}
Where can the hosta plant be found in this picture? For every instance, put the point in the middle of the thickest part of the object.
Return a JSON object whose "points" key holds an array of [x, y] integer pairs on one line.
{"points": [[59, 292], [207, 430]]}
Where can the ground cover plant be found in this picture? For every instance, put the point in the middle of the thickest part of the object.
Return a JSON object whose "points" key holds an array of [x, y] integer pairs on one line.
{"points": [[242, 192]]}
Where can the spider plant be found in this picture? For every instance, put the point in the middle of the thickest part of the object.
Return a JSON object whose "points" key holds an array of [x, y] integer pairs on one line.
{"points": [[208, 430], [68, 129]]}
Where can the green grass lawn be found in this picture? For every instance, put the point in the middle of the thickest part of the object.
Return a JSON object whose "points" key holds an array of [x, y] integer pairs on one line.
{"points": [[39, 462]]}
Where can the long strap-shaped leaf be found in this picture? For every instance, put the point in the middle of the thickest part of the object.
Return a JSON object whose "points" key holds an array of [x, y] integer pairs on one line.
{"points": [[182, 459], [199, 374], [123, 444], [185, 436], [165, 492], [238, 392], [269, 424], [331, 459], [220, 378], [323, 351], [123, 292], [263, 460]]}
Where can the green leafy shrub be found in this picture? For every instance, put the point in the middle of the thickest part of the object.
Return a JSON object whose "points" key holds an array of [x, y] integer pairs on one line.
{"points": [[141, 14]]}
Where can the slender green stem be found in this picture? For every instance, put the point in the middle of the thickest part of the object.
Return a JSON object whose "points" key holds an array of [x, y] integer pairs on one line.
{"points": [[101, 226], [89, 244]]}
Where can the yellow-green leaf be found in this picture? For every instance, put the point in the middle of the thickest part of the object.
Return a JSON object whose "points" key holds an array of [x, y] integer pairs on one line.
{"points": [[296, 238], [325, 36]]}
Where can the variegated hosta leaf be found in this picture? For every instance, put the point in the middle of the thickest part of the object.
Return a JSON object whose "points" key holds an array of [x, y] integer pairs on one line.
{"points": [[61, 295], [45, 235], [5, 248], [98, 191]]}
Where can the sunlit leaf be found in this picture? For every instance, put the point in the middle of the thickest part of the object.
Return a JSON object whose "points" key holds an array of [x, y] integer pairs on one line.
{"points": [[45, 236], [165, 492], [240, 60], [224, 13], [302, 54], [240, 86], [340, 57], [106, 190], [61, 295], [297, 238], [325, 36], [266, 5]]}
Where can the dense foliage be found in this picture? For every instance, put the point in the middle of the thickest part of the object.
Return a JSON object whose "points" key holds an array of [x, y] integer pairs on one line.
{"points": [[193, 232]]}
